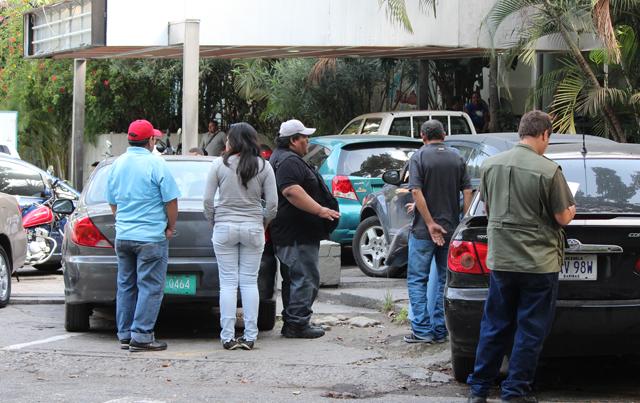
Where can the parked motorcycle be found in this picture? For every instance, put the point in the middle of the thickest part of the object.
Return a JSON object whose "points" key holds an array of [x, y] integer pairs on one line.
{"points": [[40, 220]]}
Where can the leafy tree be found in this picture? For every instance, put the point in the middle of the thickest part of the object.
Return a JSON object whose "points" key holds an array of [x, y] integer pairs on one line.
{"points": [[41, 92], [580, 86]]}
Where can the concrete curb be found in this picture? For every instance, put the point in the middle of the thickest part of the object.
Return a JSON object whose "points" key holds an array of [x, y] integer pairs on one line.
{"points": [[35, 300]]}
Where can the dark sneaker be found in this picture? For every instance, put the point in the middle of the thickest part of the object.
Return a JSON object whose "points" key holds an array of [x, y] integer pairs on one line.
{"points": [[442, 340], [476, 399], [152, 346], [244, 343], [124, 344], [285, 328], [308, 333], [522, 399], [230, 345], [412, 338]]}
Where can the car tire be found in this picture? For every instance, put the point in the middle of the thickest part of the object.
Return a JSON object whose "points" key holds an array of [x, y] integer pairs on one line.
{"points": [[267, 314], [370, 250], [48, 267], [76, 317], [5, 278], [462, 367]]}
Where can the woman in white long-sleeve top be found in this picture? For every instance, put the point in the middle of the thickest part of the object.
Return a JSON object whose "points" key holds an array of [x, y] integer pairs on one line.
{"points": [[239, 220]]}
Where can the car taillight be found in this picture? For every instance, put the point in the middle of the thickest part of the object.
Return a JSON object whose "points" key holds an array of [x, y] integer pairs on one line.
{"points": [[267, 154], [85, 233], [342, 187], [267, 235], [468, 257], [636, 268]]}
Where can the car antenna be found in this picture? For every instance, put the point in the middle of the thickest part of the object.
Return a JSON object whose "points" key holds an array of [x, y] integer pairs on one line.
{"points": [[584, 147]]}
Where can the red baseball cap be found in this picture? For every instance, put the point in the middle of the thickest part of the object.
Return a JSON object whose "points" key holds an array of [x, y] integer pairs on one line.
{"points": [[142, 130]]}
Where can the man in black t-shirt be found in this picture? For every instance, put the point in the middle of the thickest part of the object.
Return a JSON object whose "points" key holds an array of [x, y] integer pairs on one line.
{"points": [[298, 229], [437, 174]]}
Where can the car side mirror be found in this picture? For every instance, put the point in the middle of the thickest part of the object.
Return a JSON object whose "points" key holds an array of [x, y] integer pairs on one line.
{"points": [[391, 177], [62, 207]]}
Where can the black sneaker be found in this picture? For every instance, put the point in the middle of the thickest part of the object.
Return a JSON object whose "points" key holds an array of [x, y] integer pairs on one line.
{"points": [[244, 343], [124, 344], [522, 399], [285, 328], [152, 346], [412, 338], [476, 399], [308, 333], [442, 340], [230, 345]]}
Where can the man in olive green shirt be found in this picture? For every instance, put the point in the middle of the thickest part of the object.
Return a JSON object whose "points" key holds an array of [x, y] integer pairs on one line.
{"points": [[527, 201]]}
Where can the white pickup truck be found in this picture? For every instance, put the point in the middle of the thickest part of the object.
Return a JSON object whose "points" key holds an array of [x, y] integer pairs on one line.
{"points": [[408, 123]]}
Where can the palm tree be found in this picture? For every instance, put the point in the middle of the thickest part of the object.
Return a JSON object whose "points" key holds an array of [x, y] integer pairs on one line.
{"points": [[565, 22]]}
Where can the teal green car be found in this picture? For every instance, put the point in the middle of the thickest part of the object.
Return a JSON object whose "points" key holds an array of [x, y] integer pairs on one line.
{"points": [[352, 166]]}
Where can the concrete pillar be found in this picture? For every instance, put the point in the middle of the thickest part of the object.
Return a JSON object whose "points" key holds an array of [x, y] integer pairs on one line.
{"points": [[187, 33], [77, 125], [423, 85], [536, 71]]}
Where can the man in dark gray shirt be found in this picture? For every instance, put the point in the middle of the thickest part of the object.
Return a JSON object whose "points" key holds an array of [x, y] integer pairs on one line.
{"points": [[214, 142], [437, 175]]}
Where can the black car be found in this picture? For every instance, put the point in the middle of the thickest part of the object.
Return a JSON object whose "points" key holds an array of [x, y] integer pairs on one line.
{"points": [[598, 310], [91, 266], [384, 214]]}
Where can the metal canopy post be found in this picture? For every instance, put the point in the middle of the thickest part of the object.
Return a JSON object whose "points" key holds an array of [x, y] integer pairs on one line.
{"points": [[187, 32], [77, 126]]}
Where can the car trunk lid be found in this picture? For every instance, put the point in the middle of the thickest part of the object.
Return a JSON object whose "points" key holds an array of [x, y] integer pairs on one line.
{"points": [[184, 241]]}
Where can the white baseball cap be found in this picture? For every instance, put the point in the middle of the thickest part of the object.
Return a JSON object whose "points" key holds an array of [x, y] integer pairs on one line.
{"points": [[294, 126]]}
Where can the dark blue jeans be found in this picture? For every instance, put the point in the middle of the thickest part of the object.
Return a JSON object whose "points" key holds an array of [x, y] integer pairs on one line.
{"points": [[300, 282], [421, 252], [142, 271], [520, 302]]}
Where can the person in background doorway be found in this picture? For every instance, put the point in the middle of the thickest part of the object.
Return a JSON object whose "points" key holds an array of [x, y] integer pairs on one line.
{"points": [[215, 141], [479, 113], [239, 222]]}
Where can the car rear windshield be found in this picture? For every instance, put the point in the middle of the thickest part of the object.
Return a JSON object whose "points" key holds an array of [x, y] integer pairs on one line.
{"points": [[604, 185], [373, 161], [189, 175], [601, 185]]}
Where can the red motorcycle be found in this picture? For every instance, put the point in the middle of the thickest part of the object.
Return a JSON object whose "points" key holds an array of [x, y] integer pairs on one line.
{"points": [[40, 220]]}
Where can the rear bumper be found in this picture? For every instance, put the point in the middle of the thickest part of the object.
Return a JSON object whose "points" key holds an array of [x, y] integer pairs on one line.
{"points": [[93, 279], [580, 327]]}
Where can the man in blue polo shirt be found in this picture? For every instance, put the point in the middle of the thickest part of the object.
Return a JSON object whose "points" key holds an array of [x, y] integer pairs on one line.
{"points": [[144, 199]]}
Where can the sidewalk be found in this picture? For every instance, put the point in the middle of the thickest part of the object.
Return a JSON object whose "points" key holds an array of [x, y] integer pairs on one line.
{"points": [[32, 288], [359, 290]]}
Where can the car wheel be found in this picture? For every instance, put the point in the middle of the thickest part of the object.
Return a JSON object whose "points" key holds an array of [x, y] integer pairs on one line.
{"points": [[462, 367], [267, 314], [5, 278], [370, 250], [48, 267], [76, 317]]}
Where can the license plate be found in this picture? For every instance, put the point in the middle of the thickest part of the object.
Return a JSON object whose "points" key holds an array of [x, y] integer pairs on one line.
{"points": [[180, 284], [579, 267]]}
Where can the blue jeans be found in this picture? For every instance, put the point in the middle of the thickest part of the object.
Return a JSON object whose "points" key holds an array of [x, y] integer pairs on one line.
{"points": [[527, 300], [238, 248], [300, 282], [421, 253], [142, 271]]}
